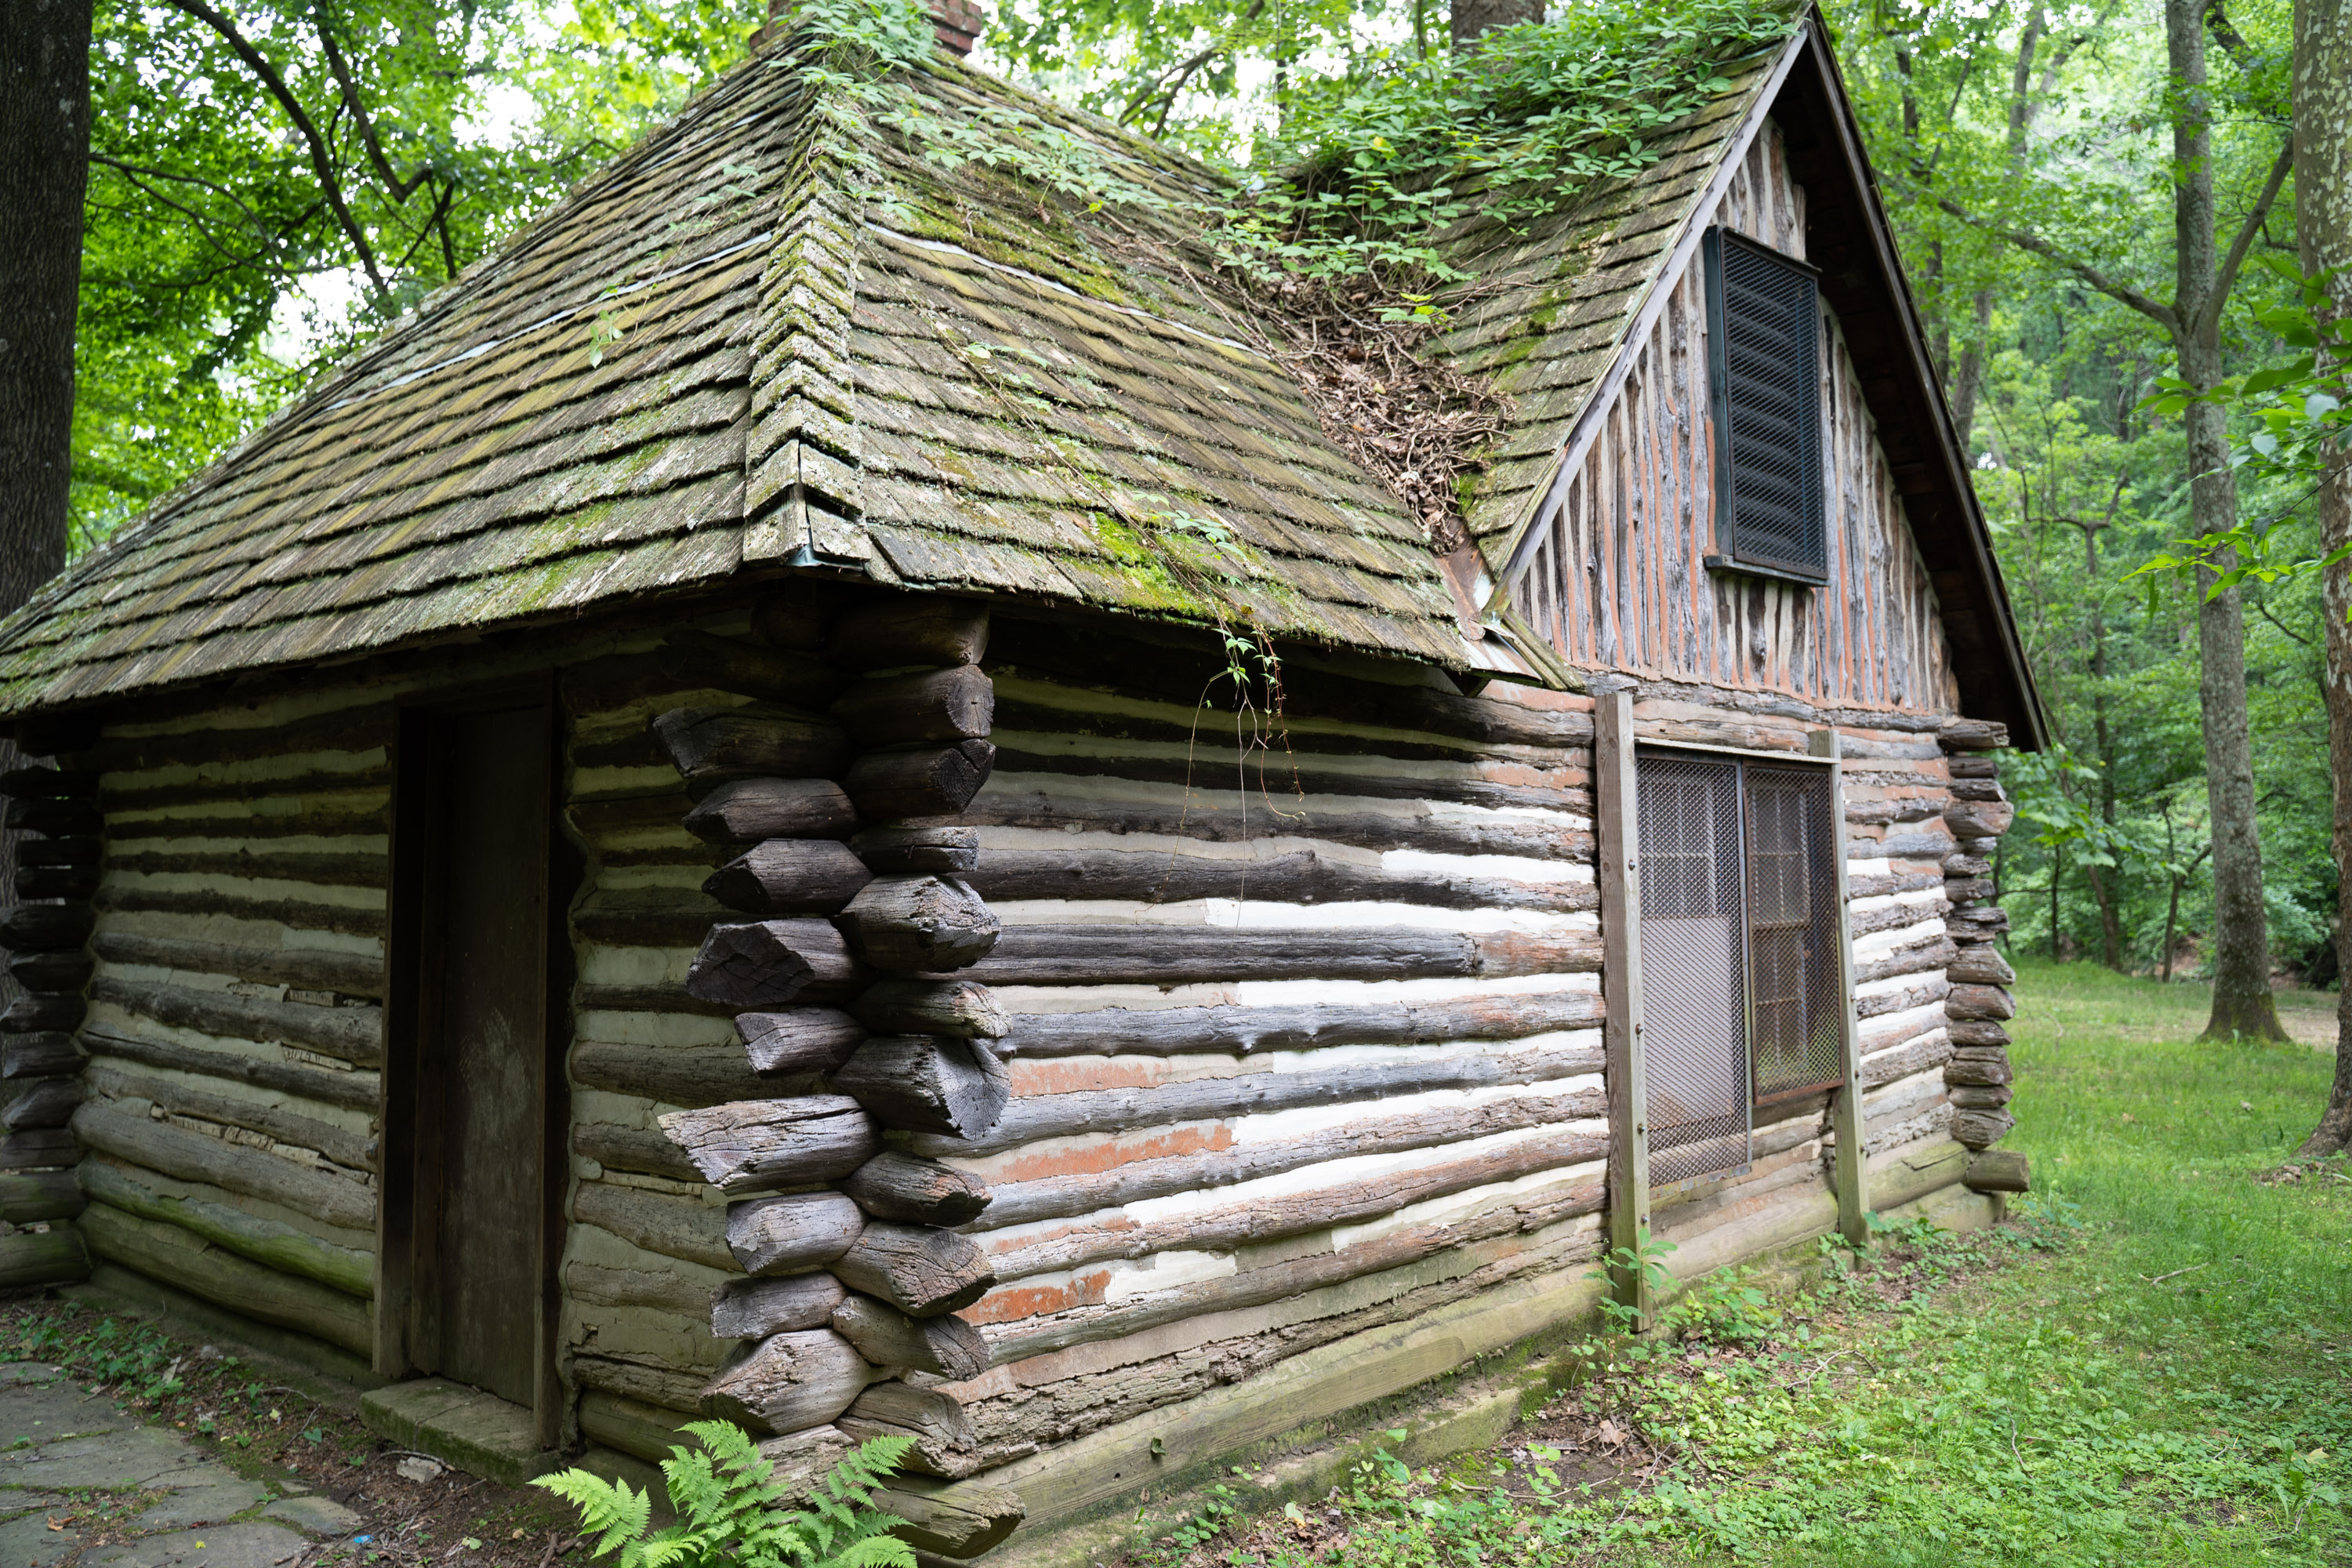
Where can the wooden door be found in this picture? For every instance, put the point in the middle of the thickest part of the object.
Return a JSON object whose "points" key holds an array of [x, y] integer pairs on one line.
{"points": [[474, 1073]]}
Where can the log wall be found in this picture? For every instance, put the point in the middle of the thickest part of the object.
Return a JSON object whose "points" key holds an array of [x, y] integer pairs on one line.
{"points": [[1617, 579], [1281, 1030]]}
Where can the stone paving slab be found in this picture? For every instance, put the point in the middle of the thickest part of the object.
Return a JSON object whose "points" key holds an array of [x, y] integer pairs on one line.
{"points": [[57, 1439]]}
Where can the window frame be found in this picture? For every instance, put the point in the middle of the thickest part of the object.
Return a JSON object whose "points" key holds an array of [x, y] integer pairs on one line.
{"points": [[1834, 930], [1730, 555]]}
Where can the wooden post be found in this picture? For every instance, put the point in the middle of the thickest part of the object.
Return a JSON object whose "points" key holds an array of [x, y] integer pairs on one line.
{"points": [[1852, 1186], [1617, 801]]}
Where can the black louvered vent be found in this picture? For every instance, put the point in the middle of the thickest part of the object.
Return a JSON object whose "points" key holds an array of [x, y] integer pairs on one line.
{"points": [[1694, 990], [1795, 951], [1766, 347]]}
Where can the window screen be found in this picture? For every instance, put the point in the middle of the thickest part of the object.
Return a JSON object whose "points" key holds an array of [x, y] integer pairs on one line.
{"points": [[1693, 987], [1742, 972], [1796, 1010], [1764, 347]]}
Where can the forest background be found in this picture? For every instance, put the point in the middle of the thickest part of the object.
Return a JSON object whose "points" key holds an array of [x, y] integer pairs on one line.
{"points": [[272, 182]]}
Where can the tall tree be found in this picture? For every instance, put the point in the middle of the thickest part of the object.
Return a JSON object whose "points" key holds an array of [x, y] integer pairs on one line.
{"points": [[2204, 276], [44, 170], [1468, 18], [2323, 193]]}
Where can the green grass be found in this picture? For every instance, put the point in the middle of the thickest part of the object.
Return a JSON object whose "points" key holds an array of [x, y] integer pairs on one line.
{"points": [[2153, 1368]]}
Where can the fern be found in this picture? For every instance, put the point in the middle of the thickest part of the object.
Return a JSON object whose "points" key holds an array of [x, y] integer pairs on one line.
{"points": [[733, 1513]]}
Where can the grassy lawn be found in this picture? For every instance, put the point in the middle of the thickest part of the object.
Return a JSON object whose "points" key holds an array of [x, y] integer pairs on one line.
{"points": [[2153, 1365]]}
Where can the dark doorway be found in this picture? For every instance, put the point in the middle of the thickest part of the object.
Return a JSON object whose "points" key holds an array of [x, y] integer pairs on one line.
{"points": [[472, 1080]]}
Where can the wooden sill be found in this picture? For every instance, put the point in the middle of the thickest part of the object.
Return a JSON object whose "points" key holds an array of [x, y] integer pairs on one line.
{"points": [[1751, 569]]}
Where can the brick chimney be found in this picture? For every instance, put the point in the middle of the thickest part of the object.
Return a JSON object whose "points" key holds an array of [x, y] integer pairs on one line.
{"points": [[955, 22]]}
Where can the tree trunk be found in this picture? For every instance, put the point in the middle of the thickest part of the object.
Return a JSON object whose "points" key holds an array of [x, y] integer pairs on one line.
{"points": [[1472, 17], [2243, 1004], [2323, 187]]}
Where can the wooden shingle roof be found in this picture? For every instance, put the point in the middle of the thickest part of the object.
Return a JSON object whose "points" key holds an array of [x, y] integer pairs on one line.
{"points": [[770, 336]]}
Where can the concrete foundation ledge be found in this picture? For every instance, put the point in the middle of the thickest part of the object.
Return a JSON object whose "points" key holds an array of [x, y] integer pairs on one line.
{"points": [[475, 1431]]}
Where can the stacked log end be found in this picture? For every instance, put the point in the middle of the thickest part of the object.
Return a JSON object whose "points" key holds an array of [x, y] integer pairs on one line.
{"points": [[1977, 1075], [838, 790], [55, 815]]}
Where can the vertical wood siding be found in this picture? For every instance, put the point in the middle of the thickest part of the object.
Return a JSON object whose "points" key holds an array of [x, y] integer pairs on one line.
{"points": [[1618, 582]]}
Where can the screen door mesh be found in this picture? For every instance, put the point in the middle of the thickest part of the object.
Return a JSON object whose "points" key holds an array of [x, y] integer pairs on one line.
{"points": [[1797, 1015], [1693, 997]]}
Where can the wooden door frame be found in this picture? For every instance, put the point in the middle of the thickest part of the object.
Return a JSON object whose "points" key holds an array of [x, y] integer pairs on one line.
{"points": [[411, 999]]}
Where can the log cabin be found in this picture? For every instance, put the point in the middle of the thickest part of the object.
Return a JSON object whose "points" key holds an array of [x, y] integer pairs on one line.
{"points": [[684, 834]]}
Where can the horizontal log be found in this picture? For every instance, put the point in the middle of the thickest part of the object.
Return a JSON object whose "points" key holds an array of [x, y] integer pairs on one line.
{"points": [[1174, 955], [1965, 865], [46, 1148], [961, 1518], [632, 1426], [799, 613], [327, 817], [903, 851], [356, 1151], [355, 1034], [792, 1233], [1981, 966], [709, 746], [37, 1012], [1922, 957], [754, 1309], [749, 810], [358, 1089], [1973, 767], [921, 1270], [935, 1084], [1093, 1322], [324, 870], [1980, 818], [637, 1149], [303, 968], [756, 964], [680, 1227], [43, 1102], [54, 1257], [1973, 1003], [46, 928], [932, 1007], [945, 1443], [1980, 1130], [1972, 736], [638, 1380], [54, 881], [1043, 803], [49, 784], [39, 1056], [804, 1040], [1879, 1004], [932, 708], [945, 1345], [1287, 875], [56, 817], [29, 1196], [1978, 1067], [689, 1076], [1083, 1192], [913, 1191], [1175, 1031], [2000, 1171], [759, 1145], [69, 971], [185, 1261], [889, 786], [300, 914], [788, 1382], [1296, 1211], [176, 1151], [274, 1243], [1346, 769], [918, 923], [901, 630], [1970, 890], [1976, 789], [675, 918], [1981, 1095], [701, 660], [1034, 1118], [1979, 922], [60, 851], [1978, 1033], [790, 875], [1890, 1066]]}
